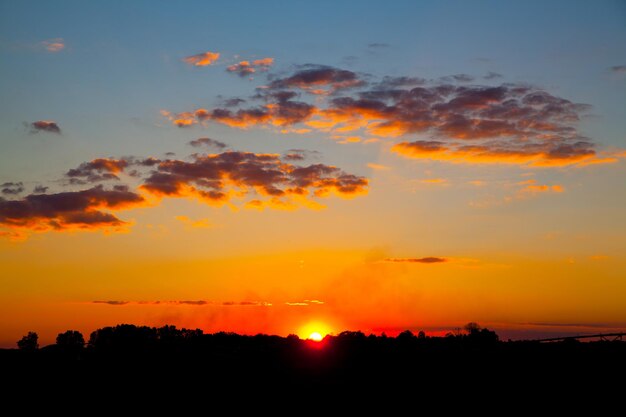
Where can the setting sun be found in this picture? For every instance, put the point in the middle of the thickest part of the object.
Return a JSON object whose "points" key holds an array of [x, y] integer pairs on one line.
{"points": [[316, 337]]}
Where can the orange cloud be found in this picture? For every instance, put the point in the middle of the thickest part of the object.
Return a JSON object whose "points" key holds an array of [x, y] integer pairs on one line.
{"points": [[86, 210], [195, 224], [543, 155], [378, 167], [439, 181], [245, 68], [217, 178], [471, 124], [203, 59], [54, 45], [426, 260], [45, 126]]}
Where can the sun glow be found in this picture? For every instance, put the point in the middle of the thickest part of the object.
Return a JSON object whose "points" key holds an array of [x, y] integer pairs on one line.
{"points": [[316, 337], [314, 331]]}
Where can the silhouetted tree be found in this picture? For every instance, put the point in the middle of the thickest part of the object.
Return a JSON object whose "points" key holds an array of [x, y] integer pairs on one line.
{"points": [[406, 336], [421, 335], [30, 342], [71, 340], [472, 328]]}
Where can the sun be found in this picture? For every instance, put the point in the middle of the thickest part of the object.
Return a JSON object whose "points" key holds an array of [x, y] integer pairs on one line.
{"points": [[314, 331], [316, 337]]}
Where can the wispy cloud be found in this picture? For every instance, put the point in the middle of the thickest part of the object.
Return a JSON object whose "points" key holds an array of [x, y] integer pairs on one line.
{"points": [[618, 69], [246, 68], [54, 44], [45, 126], [202, 60], [425, 260]]}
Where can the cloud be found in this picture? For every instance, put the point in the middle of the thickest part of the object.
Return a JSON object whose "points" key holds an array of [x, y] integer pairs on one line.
{"points": [[426, 260], [216, 178], [319, 79], [300, 154], [473, 124], [267, 180], [531, 187], [378, 167], [111, 302], [40, 189], [435, 181], [207, 142], [195, 224], [54, 44], [45, 126], [100, 169], [68, 210], [618, 69], [202, 60], [11, 188], [245, 68], [378, 45], [492, 75]]}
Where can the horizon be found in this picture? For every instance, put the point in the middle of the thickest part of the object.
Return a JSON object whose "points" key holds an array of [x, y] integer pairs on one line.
{"points": [[288, 169]]}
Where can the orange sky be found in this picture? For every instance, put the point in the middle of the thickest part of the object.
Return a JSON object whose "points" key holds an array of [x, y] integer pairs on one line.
{"points": [[378, 176]]}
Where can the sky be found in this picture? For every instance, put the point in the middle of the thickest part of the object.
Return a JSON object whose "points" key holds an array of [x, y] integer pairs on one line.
{"points": [[288, 167]]}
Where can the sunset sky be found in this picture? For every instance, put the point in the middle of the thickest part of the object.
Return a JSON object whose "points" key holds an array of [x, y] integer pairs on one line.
{"points": [[296, 167]]}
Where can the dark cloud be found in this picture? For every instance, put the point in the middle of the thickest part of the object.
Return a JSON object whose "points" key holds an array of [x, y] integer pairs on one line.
{"points": [[462, 78], [233, 102], [618, 69], [395, 82], [210, 177], [207, 142], [426, 260], [300, 154], [100, 169], [506, 123], [492, 75], [111, 302], [66, 210], [315, 78], [45, 126], [11, 188], [40, 189]]}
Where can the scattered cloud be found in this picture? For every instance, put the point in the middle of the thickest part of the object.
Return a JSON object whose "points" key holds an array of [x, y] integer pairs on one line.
{"points": [[54, 44], [214, 178], [207, 142], [378, 167], [40, 189], [516, 124], [195, 224], [271, 181], [45, 126], [12, 188], [319, 79], [532, 187], [492, 75], [618, 69], [100, 169], [434, 181], [68, 210], [426, 260], [202, 60], [246, 68]]}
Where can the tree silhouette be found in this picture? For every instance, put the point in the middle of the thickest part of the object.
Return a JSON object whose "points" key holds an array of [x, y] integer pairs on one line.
{"points": [[29, 343], [71, 340]]}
